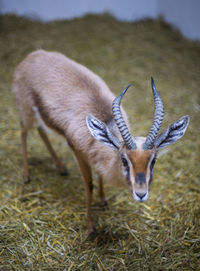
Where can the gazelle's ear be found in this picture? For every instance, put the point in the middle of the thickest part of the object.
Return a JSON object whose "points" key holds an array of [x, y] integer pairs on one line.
{"points": [[173, 133], [101, 132]]}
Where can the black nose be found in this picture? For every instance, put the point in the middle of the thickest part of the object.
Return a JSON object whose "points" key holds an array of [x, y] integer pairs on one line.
{"points": [[140, 195]]}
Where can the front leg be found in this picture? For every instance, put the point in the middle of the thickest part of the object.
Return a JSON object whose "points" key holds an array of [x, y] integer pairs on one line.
{"points": [[87, 177], [101, 192]]}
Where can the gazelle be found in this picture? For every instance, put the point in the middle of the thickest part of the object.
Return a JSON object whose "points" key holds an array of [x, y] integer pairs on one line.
{"points": [[76, 103]]}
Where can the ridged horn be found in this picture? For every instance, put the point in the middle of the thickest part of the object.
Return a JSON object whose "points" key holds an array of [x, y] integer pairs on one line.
{"points": [[120, 121], [157, 120]]}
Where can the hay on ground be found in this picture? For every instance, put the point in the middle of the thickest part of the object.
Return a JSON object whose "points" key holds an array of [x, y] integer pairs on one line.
{"points": [[42, 224]]}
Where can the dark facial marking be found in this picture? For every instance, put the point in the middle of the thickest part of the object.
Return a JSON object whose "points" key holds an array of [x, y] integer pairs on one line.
{"points": [[151, 167], [91, 186], [124, 161], [126, 166], [140, 178]]}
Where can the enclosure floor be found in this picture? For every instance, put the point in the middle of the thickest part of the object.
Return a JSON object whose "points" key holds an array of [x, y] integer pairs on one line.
{"points": [[42, 224]]}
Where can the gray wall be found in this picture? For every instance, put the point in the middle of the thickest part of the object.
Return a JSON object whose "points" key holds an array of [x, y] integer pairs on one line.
{"points": [[183, 14], [59, 9]]}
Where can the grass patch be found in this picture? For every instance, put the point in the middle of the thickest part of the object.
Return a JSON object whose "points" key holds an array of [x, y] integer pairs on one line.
{"points": [[42, 224]]}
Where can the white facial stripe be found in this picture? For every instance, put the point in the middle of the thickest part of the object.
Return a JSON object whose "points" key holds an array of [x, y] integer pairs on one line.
{"points": [[139, 141], [148, 174]]}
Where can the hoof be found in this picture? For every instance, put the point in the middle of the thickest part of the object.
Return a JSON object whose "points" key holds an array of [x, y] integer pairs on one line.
{"points": [[64, 173], [27, 180], [92, 234], [104, 203]]}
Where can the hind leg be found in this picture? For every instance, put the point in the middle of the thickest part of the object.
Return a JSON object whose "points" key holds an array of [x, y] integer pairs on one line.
{"points": [[60, 166], [24, 154]]}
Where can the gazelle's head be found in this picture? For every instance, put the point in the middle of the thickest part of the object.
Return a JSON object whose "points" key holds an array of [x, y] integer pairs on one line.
{"points": [[138, 154]]}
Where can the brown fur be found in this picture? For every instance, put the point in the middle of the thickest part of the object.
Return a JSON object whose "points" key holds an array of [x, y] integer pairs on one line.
{"points": [[64, 93], [51, 88], [140, 160]]}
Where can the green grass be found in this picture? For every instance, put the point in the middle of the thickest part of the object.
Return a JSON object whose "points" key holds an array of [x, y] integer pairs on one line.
{"points": [[42, 224]]}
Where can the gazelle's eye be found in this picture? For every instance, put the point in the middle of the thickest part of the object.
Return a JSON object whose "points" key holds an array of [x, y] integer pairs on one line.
{"points": [[124, 161], [126, 167], [153, 162]]}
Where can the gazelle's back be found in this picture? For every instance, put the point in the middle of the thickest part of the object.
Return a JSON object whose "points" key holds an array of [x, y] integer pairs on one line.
{"points": [[63, 91]]}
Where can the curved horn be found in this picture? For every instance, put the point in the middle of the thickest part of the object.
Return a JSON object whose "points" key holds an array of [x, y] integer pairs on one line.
{"points": [[157, 120], [120, 121]]}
